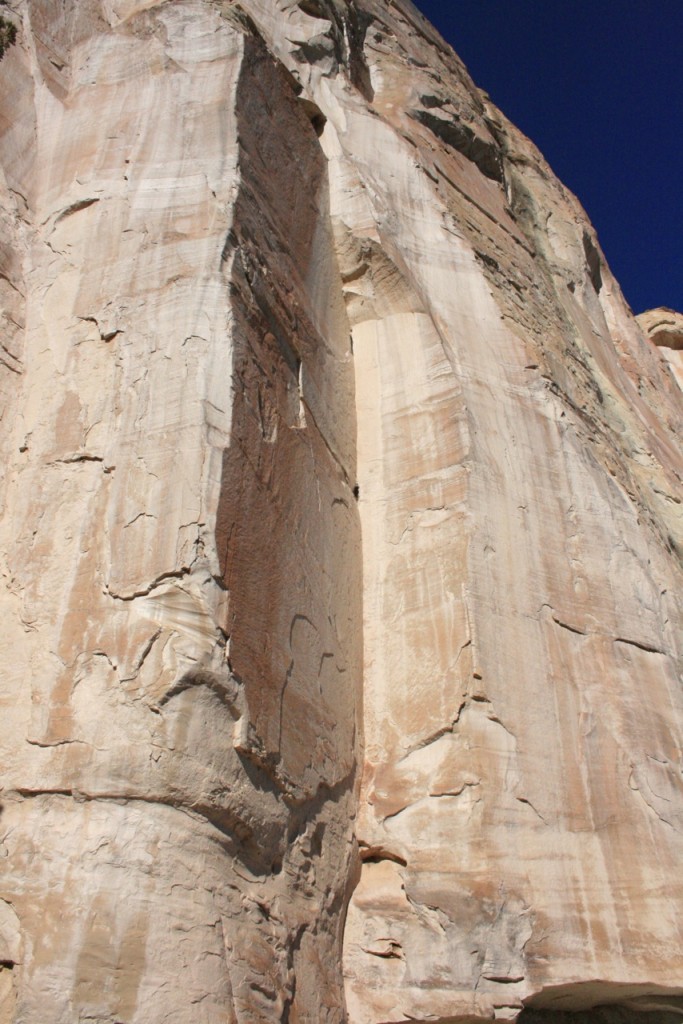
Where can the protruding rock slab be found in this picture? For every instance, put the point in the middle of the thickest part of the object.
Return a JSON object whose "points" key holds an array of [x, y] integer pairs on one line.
{"points": [[664, 327]]}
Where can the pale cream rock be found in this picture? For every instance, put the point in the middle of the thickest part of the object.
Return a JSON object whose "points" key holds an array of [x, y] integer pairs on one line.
{"points": [[664, 327], [314, 379], [180, 546]]}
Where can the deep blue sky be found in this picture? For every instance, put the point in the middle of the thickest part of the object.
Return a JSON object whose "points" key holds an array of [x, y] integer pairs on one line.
{"points": [[598, 86]]}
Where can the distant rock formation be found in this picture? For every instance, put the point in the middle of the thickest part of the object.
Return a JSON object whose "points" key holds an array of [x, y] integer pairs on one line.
{"points": [[340, 540], [665, 328]]}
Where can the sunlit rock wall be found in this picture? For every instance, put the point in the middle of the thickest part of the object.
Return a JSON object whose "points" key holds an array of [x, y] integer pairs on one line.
{"points": [[180, 545], [665, 328], [323, 422]]}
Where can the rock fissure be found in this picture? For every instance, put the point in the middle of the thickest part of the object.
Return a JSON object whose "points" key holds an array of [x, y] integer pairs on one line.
{"points": [[166, 577]]}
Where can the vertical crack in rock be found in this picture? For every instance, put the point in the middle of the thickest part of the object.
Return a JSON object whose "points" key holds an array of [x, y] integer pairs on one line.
{"points": [[454, 430], [286, 527]]}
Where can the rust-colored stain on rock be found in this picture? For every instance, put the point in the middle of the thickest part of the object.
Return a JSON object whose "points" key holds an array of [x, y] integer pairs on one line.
{"points": [[340, 536]]}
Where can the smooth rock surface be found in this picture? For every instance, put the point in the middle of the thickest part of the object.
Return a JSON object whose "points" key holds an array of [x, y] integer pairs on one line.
{"points": [[339, 543]]}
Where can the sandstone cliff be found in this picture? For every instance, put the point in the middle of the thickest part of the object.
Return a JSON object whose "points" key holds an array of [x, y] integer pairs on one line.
{"points": [[339, 544]]}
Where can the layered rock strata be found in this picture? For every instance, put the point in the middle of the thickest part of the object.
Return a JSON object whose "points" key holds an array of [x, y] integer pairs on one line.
{"points": [[664, 327], [340, 539]]}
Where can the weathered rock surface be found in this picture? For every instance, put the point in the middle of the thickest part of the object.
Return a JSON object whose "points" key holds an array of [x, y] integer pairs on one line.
{"points": [[665, 328], [340, 540], [181, 573]]}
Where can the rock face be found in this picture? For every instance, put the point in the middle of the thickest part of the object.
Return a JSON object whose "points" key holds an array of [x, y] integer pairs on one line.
{"points": [[665, 328], [340, 539]]}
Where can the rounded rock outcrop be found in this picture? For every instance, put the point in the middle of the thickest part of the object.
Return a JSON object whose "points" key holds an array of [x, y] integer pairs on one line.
{"points": [[664, 327]]}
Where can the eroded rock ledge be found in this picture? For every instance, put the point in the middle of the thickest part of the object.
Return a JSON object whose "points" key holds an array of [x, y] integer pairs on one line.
{"points": [[664, 327], [339, 540]]}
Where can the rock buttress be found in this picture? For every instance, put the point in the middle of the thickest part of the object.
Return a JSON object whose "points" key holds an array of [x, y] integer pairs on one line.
{"points": [[520, 480], [180, 548]]}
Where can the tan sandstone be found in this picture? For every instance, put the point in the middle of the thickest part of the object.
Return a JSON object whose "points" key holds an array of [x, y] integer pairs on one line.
{"points": [[664, 327], [339, 543]]}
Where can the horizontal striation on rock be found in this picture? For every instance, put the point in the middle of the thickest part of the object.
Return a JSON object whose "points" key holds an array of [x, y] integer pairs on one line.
{"points": [[339, 545]]}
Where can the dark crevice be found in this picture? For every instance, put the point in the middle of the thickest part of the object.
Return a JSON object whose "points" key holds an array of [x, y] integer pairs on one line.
{"points": [[457, 134], [226, 689], [639, 644], [372, 855], [178, 574], [570, 629], [80, 204], [592, 261], [358, 23], [314, 115], [607, 1014], [8, 35], [343, 45]]}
